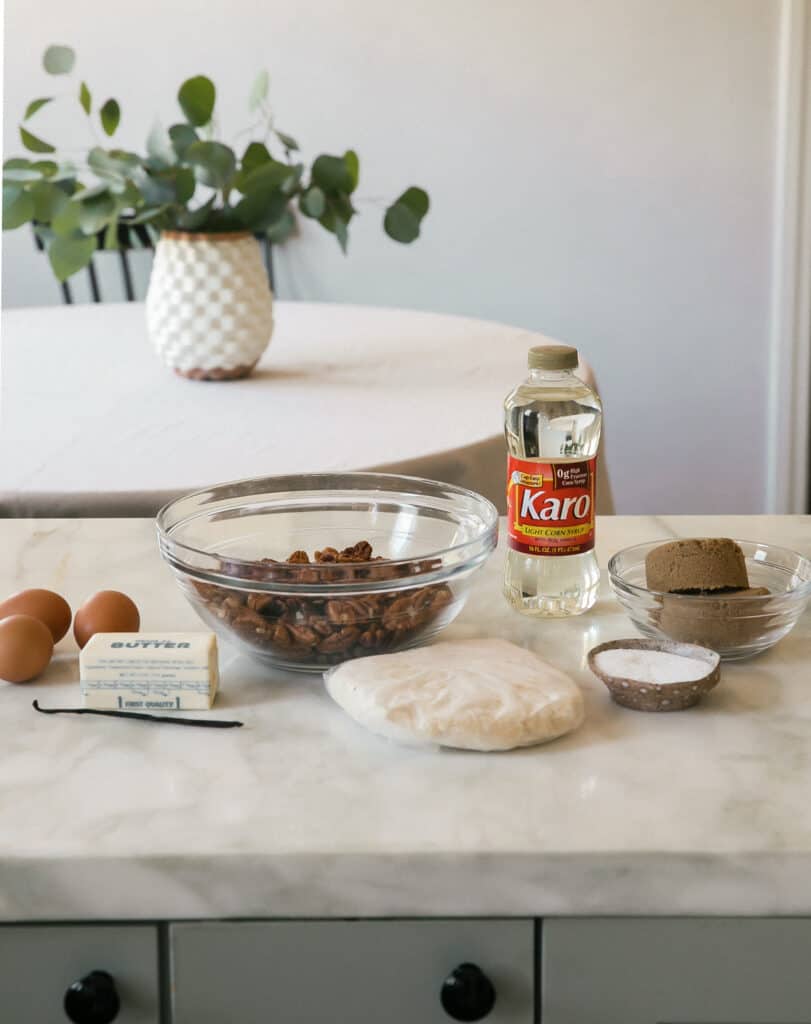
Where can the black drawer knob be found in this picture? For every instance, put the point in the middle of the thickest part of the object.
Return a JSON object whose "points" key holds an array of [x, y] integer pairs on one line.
{"points": [[93, 999], [467, 993]]}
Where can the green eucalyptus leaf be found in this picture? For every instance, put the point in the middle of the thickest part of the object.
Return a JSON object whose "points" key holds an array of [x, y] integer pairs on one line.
{"points": [[156, 187], [32, 143], [287, 141], [327, 220], [196, 98], [342, 205], [259, 90], [114, 165], [313, 202], [337, 215], [95, 211], [332, 174], [353, 166], [48, 201], [48, 168], [150, 214], [185, 184], [291, 181], [182, 136], [69, 254], [282, 229], [21, 174], [111, 231], [85, 98], [403, 218], [34, 106], [166, 186], [416, 199], [101, 189], [17, 161], [194, 220], [214, 164], [18, 207], [268, 176], [110, 115], [127, 195], [401, 223], [254, 156], [66, 220], [342, 234], [58, 60], [258, 209]]}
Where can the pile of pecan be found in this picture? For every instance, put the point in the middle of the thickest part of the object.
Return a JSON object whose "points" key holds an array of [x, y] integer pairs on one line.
{"points": [[326, 630]]}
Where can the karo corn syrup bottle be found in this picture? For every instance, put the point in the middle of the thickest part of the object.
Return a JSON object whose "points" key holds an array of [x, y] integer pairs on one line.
{"points": [[552, 424]]}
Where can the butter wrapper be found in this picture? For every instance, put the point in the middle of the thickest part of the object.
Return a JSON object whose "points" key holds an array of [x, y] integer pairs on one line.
{"points": [[149, 671]]}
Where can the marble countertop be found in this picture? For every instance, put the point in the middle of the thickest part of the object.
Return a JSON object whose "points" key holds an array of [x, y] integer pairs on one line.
{"points": [[302, 814]]}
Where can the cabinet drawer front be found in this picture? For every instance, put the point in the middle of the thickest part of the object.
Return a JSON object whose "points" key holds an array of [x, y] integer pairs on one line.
{"points": [[39, 962], [366, 972], [669, 971]]}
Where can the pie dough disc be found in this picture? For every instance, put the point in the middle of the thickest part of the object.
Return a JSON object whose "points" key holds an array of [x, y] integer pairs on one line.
{"points": [[475, 695]]}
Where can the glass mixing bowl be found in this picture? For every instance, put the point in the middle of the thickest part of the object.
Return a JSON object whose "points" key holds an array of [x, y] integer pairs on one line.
{"points": [[389, 562], [735, 627]]}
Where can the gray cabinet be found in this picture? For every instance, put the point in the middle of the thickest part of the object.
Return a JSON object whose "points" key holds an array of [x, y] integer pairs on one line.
{"points": [[676, 971], [363, 972], [39, 962]]}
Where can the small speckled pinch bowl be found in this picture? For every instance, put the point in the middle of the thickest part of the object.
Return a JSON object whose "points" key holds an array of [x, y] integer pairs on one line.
{"points": [[651, 696]]}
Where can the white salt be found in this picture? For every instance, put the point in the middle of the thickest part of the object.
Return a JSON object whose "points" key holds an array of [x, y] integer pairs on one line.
{"points": [[650, 666]]}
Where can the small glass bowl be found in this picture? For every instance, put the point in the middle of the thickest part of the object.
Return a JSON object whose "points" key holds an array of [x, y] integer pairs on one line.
{"points": [[230, 549], [735, 627]]}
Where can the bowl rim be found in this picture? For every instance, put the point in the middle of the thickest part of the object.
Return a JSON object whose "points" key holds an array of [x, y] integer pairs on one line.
{"points": [[618, 582], [698, 652], [177, 552]]}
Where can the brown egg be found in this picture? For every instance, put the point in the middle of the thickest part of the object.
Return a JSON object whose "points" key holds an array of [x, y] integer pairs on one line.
{"points": [[26, 646], [45, 605], [109, 611]]}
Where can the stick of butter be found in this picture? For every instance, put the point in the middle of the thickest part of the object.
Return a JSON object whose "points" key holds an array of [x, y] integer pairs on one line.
{"points": [[149, 671]]}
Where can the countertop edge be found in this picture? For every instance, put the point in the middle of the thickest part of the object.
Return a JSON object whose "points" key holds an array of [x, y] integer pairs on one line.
{"points": [[221, 885]]}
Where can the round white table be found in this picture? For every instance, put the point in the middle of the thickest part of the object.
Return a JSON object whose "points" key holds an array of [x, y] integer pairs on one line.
{"points": [[91, 423]]}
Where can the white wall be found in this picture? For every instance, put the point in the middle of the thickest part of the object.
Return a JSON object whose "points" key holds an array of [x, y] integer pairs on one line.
{"points": [[600, 170]]}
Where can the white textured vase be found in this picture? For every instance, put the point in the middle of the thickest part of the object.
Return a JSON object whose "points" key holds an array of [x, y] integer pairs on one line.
{"points": [[209, 308]]}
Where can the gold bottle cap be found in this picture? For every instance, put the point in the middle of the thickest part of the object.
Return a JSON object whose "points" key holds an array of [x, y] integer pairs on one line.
{"points": [[552, 357]]}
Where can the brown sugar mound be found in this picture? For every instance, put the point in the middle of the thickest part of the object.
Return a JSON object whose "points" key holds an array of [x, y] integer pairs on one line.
{"points": [[696, 565], [719, 620]]}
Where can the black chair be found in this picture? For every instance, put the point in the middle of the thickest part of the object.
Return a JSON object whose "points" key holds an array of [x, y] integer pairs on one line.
{"points": [[129, 238]]}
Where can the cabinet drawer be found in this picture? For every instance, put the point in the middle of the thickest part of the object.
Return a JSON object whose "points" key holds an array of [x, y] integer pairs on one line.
{"points": [[39, 962], [669, 971], [308, 972]]}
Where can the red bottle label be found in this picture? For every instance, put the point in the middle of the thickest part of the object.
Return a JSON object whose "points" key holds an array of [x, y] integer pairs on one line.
{"points": [[550, 506]]}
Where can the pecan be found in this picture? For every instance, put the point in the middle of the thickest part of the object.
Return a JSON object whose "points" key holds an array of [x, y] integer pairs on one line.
{"points": [[247, 619], [325, 630], [440, 596], [303, 635], [280, 636], [339, 642], [347, 611], [374, 636], [267, 603], [360, 552]]}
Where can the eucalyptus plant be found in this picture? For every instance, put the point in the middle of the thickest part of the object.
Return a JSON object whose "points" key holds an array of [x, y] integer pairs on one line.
{"points": [[189, 180]]}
